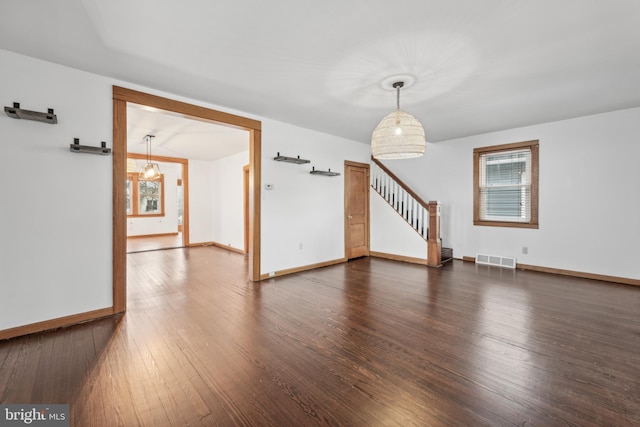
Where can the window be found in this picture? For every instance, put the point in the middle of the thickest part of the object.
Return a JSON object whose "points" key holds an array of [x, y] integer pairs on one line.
{"points": [[144, 197], [505, 180]]}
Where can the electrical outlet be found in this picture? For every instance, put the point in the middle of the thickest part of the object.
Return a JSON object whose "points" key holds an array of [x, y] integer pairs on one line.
{"points": [[300, 245], [525, 250]]}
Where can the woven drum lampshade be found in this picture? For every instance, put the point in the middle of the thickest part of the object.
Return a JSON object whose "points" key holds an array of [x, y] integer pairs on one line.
{"points": [[399, 135]]}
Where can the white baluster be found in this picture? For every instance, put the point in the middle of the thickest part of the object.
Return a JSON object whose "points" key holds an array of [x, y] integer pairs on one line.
{"points": [[386, 187], [425, 218], [411, 205], [404, 204], [396, 202], [393, 193]]}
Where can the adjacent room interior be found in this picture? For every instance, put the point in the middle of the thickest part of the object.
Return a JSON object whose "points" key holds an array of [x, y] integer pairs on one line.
{"points": [[156, 211]]}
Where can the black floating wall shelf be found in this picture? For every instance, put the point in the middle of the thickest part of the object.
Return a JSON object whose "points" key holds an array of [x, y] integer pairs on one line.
{"points": [[77, 148], [325, 173], [296, 160], [18, 113]]}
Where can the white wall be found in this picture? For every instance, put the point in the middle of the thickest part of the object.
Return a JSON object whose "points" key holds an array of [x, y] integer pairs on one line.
{"points": [[390, 233], [216, 200], [55, 218], [168, 223], [303, 208], [200, 201], [228, 200], [589, 194]]}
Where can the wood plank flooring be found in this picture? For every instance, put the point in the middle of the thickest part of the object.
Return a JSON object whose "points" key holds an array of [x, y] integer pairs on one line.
{"points": [[371, 342]]}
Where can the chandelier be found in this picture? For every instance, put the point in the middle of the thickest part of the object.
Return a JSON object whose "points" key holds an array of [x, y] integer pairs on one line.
{"points": [[151, 170]]}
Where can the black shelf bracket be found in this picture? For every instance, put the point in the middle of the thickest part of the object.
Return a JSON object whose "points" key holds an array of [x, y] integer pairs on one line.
{"points": [[324, 173], [18, 113], [77, 148], [286, 159]]}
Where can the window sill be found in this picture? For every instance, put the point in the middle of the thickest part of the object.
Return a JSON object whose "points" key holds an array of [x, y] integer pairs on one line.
{"points": [[506, 224]]}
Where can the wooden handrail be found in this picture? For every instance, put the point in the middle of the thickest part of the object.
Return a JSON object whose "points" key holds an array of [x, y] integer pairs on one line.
{"points": [[404, 186]]}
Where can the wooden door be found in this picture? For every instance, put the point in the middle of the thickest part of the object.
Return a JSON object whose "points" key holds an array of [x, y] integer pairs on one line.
{"points": [[356, 200]]}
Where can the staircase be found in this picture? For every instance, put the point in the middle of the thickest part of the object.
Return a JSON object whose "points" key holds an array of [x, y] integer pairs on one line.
{"points": [[423, 217]]}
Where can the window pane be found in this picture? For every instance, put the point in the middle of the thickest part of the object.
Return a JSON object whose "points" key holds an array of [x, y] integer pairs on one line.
{"points": [[128, 196], [501, 172], [149, 197], [180, 204], [504, 186], [506, 203]]}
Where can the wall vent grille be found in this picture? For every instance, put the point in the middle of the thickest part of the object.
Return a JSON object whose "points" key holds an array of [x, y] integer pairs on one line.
{"points": [[498, 261]]}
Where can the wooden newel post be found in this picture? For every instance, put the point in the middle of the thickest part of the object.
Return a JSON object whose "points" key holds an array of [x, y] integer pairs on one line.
{"points": [[434, 245]]}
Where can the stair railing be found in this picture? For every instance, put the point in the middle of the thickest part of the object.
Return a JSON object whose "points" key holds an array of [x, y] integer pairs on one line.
{"points": [[423, 217]]}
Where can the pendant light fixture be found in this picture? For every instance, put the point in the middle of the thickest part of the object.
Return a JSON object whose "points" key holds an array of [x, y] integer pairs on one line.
{"points": [[151, 170], [399, 135]]}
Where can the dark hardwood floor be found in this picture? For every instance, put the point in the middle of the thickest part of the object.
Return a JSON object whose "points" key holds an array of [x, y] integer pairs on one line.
{"points": [[371, 342]]}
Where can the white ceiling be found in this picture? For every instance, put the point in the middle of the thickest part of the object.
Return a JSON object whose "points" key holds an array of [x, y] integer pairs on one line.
{"points": [[478, 66], [177, 136]]}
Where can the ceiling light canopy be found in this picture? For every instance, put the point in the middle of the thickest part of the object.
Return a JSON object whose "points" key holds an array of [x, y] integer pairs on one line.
{"points": [[151, 170], [399, 135]]}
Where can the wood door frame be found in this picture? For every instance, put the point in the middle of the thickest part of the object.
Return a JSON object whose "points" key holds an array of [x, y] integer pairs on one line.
{"points": [[346, 206], [122, 96], [246, 195]]}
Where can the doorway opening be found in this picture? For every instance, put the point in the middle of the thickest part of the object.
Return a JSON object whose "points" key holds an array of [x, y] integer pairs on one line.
{"points": [[163, 226], [121, 98]]}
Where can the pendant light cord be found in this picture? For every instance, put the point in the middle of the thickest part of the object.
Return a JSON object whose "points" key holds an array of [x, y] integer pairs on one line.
{"points": [[148, 138], [398, 85]]}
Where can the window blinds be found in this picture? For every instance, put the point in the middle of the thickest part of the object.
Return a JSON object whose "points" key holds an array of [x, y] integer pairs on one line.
{"points": [[505, 186]]}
